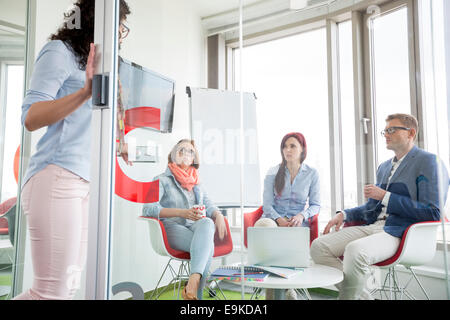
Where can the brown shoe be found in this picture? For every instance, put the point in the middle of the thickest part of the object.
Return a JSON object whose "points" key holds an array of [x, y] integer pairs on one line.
{"points": [[185, 295]]}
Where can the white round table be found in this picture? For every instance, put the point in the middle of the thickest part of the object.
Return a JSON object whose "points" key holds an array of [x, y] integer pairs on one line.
{"points": [[312, 277]]}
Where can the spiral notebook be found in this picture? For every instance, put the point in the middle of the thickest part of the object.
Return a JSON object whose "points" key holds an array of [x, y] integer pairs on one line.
{"points": [[254, 273], [233, 273]]}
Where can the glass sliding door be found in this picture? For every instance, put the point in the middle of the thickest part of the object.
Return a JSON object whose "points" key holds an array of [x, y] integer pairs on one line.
{"points": [[13, 24], [165, 114], [390, 75], [290, 97], [435, 63], [349, 167]]}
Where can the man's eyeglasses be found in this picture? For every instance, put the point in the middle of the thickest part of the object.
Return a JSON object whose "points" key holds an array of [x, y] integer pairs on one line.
{"points": [[188, 152], [124, 31], [392, 130]]}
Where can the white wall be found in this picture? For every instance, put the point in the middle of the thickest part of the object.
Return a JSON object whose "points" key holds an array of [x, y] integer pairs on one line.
{"points": [[13, 11]]}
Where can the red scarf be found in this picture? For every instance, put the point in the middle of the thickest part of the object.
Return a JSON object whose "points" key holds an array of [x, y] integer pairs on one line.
{"points": [[187, 178]]}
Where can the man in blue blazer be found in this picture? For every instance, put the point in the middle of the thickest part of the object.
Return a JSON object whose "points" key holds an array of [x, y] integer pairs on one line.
{"points": [[409, 189]]}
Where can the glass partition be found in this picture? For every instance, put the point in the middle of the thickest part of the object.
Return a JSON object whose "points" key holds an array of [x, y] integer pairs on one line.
{"points": [[13, 23], [223, 122], [391, 75], [177, 155], [435, 61]]}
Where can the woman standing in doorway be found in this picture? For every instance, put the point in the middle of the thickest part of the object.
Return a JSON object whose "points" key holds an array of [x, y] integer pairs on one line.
{"points": [[55, 192]]}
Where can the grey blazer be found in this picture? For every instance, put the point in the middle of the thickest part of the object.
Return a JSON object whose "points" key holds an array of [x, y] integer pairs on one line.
{"points": [[171, 195]]}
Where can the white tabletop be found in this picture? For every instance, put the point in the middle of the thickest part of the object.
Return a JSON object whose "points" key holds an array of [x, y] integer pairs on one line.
{"points": [[313, 277]]}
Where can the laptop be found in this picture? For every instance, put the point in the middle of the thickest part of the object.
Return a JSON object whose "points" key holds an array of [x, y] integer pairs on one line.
{"points": [[278, 247]]}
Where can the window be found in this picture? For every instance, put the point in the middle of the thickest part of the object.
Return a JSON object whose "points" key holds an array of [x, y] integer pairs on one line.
{"points": [[435, 82], [391, 77], [347, 115], [289, 78], [10, 129]]}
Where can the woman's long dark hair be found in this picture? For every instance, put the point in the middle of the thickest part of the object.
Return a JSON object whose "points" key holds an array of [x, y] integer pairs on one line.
{"points": [[79, 39], [280, 177]]}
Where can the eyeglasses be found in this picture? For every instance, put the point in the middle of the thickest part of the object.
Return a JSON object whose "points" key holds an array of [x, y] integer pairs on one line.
{"points": [[188, 152], [124, 31], [392, 130]]}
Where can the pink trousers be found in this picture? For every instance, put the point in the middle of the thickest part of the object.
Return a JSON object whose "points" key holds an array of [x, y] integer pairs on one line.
{"points": [[55, 202]]}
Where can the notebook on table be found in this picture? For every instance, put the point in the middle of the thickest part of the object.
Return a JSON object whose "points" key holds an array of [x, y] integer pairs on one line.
{"points": [[253, 273], [233, 273]]}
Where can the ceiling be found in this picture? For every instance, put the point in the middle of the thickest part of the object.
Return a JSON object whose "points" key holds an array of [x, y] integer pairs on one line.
{"points": [[208, 8]]}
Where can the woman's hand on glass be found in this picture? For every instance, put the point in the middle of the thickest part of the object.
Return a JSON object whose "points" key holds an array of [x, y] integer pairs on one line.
{"points": [[90, 70]]}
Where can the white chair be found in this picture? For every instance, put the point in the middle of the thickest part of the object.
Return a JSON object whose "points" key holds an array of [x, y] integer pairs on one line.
{"points": [[160, 244], [417, 247]]}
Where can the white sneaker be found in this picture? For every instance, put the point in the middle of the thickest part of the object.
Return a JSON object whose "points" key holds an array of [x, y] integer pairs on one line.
{"points": [[291, 294]]}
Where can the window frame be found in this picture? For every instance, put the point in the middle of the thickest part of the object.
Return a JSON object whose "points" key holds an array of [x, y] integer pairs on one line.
{"points": [[4, 64], [414, 68], [362, 73]]}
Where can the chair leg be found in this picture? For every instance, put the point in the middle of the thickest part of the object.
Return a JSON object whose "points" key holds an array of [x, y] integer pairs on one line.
{"points": [[420, 284], [304, 292], [155, 291], [390, 286], [183, 274], [177, 278], [255, 293], [394, 287], [218, 287]]}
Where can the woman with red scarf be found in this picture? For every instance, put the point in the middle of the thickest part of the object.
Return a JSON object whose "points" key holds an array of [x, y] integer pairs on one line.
{"points": [[187, 230]]}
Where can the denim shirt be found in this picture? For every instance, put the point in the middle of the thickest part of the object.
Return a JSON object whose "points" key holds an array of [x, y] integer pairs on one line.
{"points": [[294, 198], [66, 143], [173, 195]]}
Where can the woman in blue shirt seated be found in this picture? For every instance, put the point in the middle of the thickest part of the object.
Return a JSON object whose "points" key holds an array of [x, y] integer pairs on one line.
{"points": [[288, 188], [291, 189], [179, 192]]}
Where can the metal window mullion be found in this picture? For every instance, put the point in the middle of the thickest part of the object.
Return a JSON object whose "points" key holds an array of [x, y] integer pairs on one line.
{"points": [[25, 152], [359, 103], [417, 75], [414, 68], [337, 199], [102, 163], [370, 105], [3, 103]]}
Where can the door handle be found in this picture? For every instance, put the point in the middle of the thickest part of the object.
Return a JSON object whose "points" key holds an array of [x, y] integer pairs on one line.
{"points": [[366, 128]]}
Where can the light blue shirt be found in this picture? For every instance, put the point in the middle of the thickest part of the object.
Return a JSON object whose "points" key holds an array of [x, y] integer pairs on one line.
{"points": [[66, 143], [173, 195], [304, 190]]}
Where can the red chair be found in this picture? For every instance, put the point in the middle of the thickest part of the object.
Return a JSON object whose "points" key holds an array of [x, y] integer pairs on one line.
{"points": [[250, 219], [3, 227], [7, 212], [160, 244], [417, 247]]}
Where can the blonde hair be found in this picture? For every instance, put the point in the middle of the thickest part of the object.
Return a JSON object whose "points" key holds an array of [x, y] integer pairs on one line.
{"points": [[407, 120], [175, 149]]}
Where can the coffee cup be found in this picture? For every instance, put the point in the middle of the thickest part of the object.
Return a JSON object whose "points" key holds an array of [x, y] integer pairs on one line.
{"points": [[201, 210]]}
